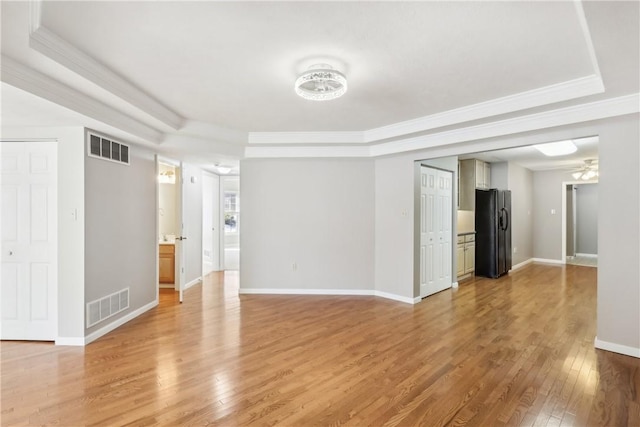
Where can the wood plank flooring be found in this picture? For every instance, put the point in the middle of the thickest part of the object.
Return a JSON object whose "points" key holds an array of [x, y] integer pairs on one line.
{"points": [[513, 351]]}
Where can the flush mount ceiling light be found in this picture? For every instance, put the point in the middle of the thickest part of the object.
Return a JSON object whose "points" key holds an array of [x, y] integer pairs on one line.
{"points": [[223, 170], [559, 148], [321, 83]]}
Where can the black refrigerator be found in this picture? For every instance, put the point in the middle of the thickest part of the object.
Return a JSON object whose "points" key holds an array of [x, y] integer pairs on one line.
{"points": [[493, 232]]}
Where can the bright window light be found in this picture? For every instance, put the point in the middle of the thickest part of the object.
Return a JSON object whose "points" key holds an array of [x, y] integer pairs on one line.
{"points": [[559, 148]]}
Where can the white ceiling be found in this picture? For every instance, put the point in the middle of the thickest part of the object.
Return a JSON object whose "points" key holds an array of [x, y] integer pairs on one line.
{"points": [[226, 69], [532, 159]]}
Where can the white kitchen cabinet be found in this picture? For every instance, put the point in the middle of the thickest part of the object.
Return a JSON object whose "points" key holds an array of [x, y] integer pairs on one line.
{"points": [[469, 257], [466, 254], [460, 257], [472, 174]]}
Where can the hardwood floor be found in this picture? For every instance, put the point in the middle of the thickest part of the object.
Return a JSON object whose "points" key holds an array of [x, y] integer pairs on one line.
{"points": [[513, 351]]}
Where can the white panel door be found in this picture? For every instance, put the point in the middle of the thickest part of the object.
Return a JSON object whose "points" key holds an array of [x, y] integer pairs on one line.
{"points": [[436, 194], [180, 249], [29, 241]]}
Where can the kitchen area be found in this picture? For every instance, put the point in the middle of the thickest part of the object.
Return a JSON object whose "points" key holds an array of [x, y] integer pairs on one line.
{"points": [[484, 224]]}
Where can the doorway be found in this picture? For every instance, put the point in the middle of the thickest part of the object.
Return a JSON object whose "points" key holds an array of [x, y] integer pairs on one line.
{"points": [[171, 227], [231, 194], [581, 224]]}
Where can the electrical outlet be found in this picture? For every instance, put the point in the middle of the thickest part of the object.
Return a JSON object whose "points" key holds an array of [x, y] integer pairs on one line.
{"points": [[515, 249], [294, 266]]}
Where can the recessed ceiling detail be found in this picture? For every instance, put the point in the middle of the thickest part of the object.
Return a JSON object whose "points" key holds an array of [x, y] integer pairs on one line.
{"points": [[421, 74]]}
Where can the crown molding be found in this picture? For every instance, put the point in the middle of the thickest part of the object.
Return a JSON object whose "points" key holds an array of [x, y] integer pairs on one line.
{"points": [[204, 130], [563, 116], [59, 50], [586, 33], [306, 151], [23, 77], [349, 137], [564, 91], [603, 109]]}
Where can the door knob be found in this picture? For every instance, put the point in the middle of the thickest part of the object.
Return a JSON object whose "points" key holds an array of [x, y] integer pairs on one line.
{"points": [[181, 238]]}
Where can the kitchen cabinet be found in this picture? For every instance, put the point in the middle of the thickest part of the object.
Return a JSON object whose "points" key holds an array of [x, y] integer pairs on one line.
{"points": [[466, 254], [167, 263], [472, 174], [469, 254], [460, 256]]}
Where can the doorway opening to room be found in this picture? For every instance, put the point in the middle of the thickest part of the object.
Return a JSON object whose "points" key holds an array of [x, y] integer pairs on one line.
{"points": [[231, 200], [580, 231], [538, 210], [170, 214]]}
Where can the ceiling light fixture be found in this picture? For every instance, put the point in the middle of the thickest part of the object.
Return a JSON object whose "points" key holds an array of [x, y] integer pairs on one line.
{"points": [[321, 83], [223, 170], [586, 172], [559, 148]]}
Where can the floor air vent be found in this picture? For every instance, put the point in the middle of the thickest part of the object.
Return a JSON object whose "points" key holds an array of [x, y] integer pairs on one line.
{"points": [[107, 149], [105, 307]]}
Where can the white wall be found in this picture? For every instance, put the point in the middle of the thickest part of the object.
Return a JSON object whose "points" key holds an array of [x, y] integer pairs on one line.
{"points": [[520, 182], [120, 230], [618, 234], [547, 226], [211, 225], [70, 229], [394, 249], [315, 213], [587, 219], [500, 175], [193, 223]]}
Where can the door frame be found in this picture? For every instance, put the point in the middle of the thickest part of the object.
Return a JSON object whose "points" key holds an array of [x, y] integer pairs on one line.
{"points": [[563, 207], [179, 252], [565, 184]]}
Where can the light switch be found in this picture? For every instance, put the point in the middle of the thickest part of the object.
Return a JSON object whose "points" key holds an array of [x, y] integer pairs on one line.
{"points": [[553, 211]]}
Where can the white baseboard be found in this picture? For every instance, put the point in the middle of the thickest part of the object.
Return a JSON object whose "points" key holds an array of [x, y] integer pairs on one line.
{"points": [[406, 300], [617, 348], [360, 292], [547, 261], [293, 291], [522, 264], [75, 341], [119, 322], [588, 255], [454, 285], [193, 282]]}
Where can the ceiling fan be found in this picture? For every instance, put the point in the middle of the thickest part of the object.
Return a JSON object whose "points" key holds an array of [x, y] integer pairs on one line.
{"points": [[587, 171]]}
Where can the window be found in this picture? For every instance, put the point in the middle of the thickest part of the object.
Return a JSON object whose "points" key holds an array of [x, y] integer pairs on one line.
{"points": [[231, 211]]}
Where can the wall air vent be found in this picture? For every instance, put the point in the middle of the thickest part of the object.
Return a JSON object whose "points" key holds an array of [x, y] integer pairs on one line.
{"points": [[105, 307], [107, 149]]}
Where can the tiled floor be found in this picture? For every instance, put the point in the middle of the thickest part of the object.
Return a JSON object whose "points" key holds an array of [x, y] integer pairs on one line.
{"points": [[583, 260]]}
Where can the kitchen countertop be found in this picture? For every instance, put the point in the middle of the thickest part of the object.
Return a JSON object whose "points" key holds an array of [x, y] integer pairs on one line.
{"points": [[168, 242], [463, 233]]}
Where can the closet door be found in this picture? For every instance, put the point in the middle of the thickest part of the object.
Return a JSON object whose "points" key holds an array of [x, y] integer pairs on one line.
{"points": [[436, 198]]}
